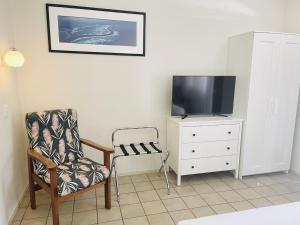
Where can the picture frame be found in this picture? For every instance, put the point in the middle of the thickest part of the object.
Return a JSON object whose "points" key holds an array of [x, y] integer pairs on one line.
{"points": [[87, 30]]}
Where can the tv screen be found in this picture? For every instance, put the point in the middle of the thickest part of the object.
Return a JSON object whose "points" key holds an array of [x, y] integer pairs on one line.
{"points": [[192, 95]]}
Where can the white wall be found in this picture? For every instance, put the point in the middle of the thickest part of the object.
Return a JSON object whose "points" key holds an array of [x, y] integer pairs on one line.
{"points": [[292, 25], [183, 37], [13, 162]]}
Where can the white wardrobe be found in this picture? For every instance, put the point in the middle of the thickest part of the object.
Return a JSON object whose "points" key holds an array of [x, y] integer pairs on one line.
{"points": [[267, 66]]}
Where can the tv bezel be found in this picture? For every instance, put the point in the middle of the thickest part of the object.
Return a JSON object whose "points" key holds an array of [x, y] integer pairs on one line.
{"points": [[203, 114]]}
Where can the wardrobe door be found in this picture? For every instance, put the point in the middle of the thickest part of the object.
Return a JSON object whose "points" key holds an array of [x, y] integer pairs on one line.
{"points": [[258, 135], [285, 100]]}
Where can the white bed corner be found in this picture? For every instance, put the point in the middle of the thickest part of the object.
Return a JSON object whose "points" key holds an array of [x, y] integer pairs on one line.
{"points": [[287, 214]]}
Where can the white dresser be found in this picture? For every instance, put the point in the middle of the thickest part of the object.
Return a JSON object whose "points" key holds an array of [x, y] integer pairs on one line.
{"points": [[203, 144]]}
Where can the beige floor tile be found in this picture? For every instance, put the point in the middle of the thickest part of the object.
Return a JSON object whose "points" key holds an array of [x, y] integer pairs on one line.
{"points": [[159, 184], [185, 191], [85, 218], [194, 201], [116, 222], [266, 180], [40, 212], [213, 198], [139, 178], [231, 196], [240, 206], [160, 219], [294, 187], [293, 197], [281, 189], [37, 221], [64, 208], [105, 215], [252, 182], [136, 221], [129, 198], [154, 207], [143, 186], [25, 202], [85, 205], [17, 222], [43, 199], [163, 193], [248, 193], [181, 215], [101, 202], [65, 219], [86, 195], [126, 188], [265, 191], [203, 188], [277, 200], [222, 208], [20, 213], [219, 186], [174, 204], [196, 179], [156, 176], [147, 196], [260, 202], [133, 210], [235, 184], [124, 180], [203, 211]]}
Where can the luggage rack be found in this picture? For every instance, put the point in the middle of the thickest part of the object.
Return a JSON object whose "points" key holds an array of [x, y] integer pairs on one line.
{"points": [[136, 149]]}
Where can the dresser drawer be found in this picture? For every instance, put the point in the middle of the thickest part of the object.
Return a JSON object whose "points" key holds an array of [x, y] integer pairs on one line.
{"points": [[210, 133], [206, 165], [209, 149]]}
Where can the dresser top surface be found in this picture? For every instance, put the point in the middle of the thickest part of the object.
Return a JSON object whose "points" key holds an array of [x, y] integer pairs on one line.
{"points": [[205, 119]]}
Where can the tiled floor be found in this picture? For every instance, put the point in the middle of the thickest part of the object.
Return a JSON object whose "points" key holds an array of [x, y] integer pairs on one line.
{"points": [[144, 200]]}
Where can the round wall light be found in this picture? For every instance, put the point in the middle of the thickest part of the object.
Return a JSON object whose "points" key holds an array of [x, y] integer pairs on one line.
{"points": [[14, 58]]}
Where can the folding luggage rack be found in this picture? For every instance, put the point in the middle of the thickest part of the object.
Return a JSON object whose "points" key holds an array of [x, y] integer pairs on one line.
{"points": [[135, 149]]}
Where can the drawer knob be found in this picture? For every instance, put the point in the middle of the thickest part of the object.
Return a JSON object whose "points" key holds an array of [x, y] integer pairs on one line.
{"points": [[192, 167], [193, 151], [227, 163], [194, 135], [228, 148], [229, 132]]}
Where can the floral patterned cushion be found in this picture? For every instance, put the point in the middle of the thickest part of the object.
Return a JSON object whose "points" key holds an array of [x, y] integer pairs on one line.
{"points": [[55, 135], [75, 176]]}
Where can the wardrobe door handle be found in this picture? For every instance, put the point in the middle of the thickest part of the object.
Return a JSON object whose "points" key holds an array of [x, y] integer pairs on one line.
{"points": [[227, 163], [193, 151], [228, 148], [192, 167], [229, 132], [194, 135]]}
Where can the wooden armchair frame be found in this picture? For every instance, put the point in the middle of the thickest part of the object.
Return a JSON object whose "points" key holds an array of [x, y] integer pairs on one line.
{"points": [[36, 183]]}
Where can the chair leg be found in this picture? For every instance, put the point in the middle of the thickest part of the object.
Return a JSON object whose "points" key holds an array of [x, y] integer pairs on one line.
{"points": [[31, 185], [55, 211], [107, 193]]}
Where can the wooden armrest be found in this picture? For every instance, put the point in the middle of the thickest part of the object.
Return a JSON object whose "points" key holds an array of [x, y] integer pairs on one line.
{"points": [[47, 162], [96, 146]]}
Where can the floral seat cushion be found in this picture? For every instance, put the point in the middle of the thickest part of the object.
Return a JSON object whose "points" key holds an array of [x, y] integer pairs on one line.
{"points": [[75, 176]]}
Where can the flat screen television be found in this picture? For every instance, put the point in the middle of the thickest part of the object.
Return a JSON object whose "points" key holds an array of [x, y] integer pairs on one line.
{"points": [[206, 95]]}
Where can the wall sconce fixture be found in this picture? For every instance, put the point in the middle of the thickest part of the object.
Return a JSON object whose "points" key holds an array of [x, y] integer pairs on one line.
{"points": [[14, 58]]}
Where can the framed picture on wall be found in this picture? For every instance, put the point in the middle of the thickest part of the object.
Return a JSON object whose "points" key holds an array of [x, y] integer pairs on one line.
{"points": [[75, 29]]}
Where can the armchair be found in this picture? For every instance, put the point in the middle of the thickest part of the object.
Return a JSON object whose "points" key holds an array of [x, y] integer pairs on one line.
{"points": [[56, 162]]}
